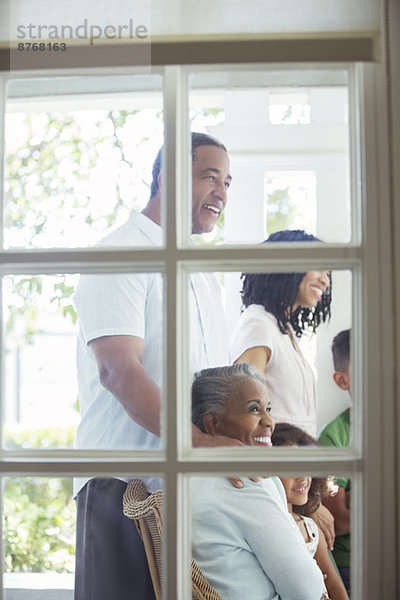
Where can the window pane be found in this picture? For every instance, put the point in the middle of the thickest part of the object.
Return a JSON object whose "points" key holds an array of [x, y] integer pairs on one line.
{"points": [[228, 528], [78, 157], [121, 321], [41, 407], [52, 374], [39, 521], [294, 353], [287, 136], [291, 201], [44, 530]]}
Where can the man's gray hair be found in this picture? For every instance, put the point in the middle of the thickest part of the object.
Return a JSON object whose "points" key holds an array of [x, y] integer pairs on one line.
{"points": [[213, 388]]}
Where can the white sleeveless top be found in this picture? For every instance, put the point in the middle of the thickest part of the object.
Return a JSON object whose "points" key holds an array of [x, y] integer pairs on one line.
{"points": [[313, 534]]}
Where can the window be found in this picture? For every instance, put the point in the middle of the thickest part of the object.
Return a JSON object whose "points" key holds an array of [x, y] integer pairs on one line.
{"points": [[353, 252]]}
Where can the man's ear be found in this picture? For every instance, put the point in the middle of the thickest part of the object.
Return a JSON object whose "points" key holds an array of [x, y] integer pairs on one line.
{"points": [[342, 380], [159, 180], [210, 423]]}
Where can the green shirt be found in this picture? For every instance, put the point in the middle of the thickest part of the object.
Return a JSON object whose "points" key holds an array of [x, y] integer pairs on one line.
{"points": [[337, 433]]}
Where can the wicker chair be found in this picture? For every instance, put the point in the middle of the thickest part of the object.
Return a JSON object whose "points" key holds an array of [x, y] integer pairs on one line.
{"points": [[145, 510]]}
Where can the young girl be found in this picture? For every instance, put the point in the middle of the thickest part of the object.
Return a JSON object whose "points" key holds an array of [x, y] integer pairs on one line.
{"points": [[278, 308], [244, 539], [303, 496]]}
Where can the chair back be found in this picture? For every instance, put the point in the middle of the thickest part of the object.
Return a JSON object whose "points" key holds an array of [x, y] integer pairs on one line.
{"points": [[145, 510]]}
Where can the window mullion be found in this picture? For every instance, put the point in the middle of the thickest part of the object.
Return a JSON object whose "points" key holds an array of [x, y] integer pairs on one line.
{"points": [[2, 349], [379, 432], [176, 217], [3, 83]]}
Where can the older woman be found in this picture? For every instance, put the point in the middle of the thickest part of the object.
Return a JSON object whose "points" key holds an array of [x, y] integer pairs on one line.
{"points": [[244, 539]]}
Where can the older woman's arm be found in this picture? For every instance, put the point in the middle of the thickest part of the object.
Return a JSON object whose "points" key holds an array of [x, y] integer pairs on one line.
{"points": [[283, 554]]}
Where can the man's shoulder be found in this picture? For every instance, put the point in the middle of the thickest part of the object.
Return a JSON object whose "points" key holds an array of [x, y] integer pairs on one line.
{"points": [[138, 230]]}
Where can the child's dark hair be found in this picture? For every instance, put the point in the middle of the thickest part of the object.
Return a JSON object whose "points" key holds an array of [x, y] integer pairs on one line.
{"points": [[277, 292], [341, 350], [286, 434], [213, 388]]}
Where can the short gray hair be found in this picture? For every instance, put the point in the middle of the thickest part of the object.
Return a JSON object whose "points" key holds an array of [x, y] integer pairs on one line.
{"points": [[213, 388]]}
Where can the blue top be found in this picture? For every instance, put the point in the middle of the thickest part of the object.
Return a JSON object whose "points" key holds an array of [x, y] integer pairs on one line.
{"points": [[248, 545]]}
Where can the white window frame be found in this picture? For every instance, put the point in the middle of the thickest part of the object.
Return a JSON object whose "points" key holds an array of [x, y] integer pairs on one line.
{"points": [[371, 462]]}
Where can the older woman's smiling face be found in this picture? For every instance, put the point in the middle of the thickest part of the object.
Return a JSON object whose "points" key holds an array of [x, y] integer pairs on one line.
{"points": [[247, 415]]}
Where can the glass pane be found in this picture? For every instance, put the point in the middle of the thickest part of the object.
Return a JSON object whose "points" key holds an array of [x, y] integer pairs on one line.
{"points": [[41, 396], [78, 158], [61, 331], [39, 521], [285, 324], [54, 527], [120, 358], [287, 137], [228, 528]]}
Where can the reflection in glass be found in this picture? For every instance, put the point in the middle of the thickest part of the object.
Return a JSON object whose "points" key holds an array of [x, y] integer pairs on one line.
{"points": [[287, 135], [78, 158]]}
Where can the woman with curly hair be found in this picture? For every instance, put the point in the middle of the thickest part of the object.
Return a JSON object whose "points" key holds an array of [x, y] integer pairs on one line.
{"points": [[278, 309], [303, 495]]}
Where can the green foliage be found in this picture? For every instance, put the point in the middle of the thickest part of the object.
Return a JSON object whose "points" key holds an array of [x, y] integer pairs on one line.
{"points": [[25, 290], [19, 438], [39, 513], [68, 174], [31, 303], [52, 165], [63, 294], [39, 525], [43, 173]]}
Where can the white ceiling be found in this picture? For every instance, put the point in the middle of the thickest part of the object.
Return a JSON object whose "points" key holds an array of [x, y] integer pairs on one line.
{"points": [[181, 18]]}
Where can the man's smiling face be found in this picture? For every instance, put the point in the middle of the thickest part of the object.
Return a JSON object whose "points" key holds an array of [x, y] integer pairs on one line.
{"points": [[210, 182]]}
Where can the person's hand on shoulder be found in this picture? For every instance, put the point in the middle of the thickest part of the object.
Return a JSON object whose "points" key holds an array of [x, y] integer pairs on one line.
{"points": [[325, 521], [204, 440]]}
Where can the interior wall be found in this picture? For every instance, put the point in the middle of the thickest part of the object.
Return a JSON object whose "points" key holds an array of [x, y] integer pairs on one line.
{"points": [[182, 18]]}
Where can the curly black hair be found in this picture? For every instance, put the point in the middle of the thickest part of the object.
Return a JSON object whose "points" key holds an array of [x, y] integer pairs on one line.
{"points": [[277, 292], [286, 434]]}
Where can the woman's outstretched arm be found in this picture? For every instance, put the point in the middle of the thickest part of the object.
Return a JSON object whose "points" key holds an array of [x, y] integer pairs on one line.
{"points": [[258, 356]]}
